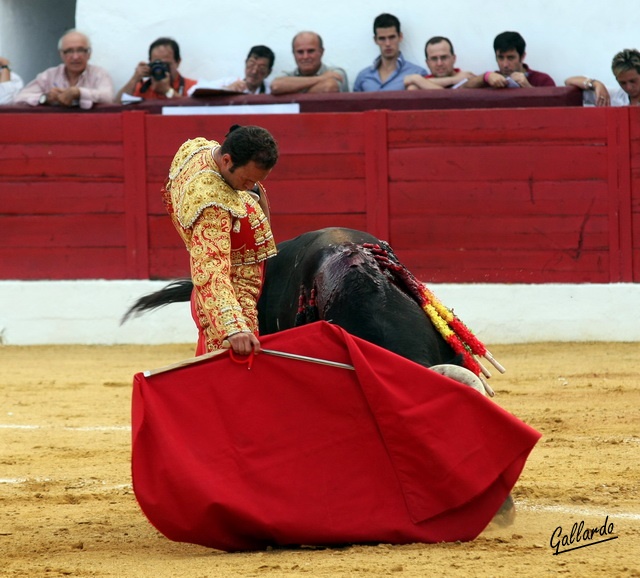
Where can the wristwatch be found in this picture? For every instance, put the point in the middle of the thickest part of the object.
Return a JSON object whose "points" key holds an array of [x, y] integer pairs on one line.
{"points": [[5, 66], [588, 84], [42, 99]]}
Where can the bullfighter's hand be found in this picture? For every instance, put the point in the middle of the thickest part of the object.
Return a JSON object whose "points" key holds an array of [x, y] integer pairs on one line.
{"points": [[244, 343]]}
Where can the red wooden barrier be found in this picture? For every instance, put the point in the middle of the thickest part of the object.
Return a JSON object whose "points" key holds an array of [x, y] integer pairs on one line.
{"points": [[510, 195], [500, 195], [62, 209], [557, 96]]}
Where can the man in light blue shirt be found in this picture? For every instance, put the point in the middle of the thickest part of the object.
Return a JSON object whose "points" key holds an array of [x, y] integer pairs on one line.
{"points": [[390, 68]]}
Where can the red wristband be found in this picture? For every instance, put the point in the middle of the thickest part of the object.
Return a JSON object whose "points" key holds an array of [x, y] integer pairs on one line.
{"points": [[486, 77]]}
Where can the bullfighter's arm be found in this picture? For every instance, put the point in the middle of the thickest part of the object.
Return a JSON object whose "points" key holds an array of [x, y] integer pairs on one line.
{"points": [[211, 273]]}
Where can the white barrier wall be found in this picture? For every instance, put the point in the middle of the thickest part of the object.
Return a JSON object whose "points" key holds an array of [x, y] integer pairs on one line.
{"points": [[89, 312]]}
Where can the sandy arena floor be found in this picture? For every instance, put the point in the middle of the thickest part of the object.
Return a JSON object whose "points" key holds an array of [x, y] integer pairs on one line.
{"points": [[67, 507]]}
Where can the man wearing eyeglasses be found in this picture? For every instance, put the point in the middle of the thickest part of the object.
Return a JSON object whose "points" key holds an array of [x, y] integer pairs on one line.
{"points": [[257, 67], [441, 60], [75, 82]]}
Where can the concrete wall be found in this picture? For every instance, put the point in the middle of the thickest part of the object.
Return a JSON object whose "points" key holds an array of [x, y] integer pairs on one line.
{"points": [[29, 33], [89, 312]]}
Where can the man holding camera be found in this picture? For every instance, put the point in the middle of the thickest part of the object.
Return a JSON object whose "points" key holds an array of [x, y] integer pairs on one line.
{"points": [[159, 78]]}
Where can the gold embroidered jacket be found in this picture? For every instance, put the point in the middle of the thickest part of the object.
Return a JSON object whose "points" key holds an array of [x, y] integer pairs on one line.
{"points": [[228, 238]]}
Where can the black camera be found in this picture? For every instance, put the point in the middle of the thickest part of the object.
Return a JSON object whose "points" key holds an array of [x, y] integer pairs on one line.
{"points": [[158, 69]]}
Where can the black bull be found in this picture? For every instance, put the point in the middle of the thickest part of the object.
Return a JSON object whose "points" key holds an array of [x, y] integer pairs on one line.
{"points": [[337, 275], [346, 277]]}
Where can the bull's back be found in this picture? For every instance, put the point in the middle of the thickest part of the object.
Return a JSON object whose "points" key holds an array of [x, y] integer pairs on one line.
{"points": [[352, 292], [296, 265]]}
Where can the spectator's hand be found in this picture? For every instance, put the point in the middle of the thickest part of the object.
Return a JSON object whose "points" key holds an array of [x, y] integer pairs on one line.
{"points": [[602, 94], [329, 81], [67, 96], [521, 79], [244, 343], [141, 71], [409, 81], [464, 74], [237, 86], [53, 96], [496, 80], [332, 75]]}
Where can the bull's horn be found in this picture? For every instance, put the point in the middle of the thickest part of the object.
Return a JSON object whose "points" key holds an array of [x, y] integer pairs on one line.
{"points": [[461, 375]]}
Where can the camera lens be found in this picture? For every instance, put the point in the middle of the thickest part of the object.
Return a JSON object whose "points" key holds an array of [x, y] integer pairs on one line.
{"points": [[158, 69]]}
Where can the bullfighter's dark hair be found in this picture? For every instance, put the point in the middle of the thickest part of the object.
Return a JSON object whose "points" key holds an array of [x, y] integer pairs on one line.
{"points": [[250, 143]]}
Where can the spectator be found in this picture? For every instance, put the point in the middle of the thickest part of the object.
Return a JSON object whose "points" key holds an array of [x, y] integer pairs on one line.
{"points": [[626, 68], [10, 82], [441, 60], [311, 74], [75, 82], [390, 68], [159, 78], [594, 92], [257, 68], [510, 53]]}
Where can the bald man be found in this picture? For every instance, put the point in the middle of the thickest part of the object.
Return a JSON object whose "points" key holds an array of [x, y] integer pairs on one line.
{"points": [[311, 75]]}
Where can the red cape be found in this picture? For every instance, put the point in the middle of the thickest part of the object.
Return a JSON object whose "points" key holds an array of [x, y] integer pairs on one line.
{"points": [[291, 452]]}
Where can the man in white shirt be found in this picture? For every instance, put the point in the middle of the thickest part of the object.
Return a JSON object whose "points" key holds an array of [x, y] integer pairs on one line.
{"points": [[626, 68], [257, 67], [10, 82]]}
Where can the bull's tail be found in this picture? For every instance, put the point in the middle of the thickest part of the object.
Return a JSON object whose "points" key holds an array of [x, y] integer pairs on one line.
{"points": [[176, 292]]}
